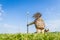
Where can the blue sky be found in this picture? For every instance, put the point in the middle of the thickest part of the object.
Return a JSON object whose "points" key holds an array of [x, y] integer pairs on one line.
{"points": [[13, 13]]}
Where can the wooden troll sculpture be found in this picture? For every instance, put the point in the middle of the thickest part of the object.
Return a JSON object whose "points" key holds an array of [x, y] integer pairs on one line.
{"points": [[39, 23]]}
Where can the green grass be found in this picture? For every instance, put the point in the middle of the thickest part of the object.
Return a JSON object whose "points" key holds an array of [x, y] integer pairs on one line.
{"points": [[46, 36]]}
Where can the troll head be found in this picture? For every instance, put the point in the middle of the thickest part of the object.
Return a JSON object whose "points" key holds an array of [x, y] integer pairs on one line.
{"points": [[37, 15]]}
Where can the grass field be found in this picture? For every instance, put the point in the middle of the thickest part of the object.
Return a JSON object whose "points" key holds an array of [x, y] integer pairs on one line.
{"points": [[18, 36]]}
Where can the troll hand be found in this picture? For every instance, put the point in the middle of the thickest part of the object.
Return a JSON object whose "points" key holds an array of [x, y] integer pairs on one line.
{"points": [[27, 25]]}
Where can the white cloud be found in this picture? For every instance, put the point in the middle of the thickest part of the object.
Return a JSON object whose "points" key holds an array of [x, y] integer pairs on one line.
{"points": [[1, 12], [53, 18], [8, 26], [1, 18], [52, 12], [53, 25], [0, 6]]}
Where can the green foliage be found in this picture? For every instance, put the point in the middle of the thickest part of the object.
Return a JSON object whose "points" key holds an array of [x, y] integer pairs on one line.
{"points": [[46, 36]]}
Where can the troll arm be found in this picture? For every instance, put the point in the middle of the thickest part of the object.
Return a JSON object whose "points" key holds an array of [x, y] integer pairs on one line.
{"points": [[30, 23]]}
